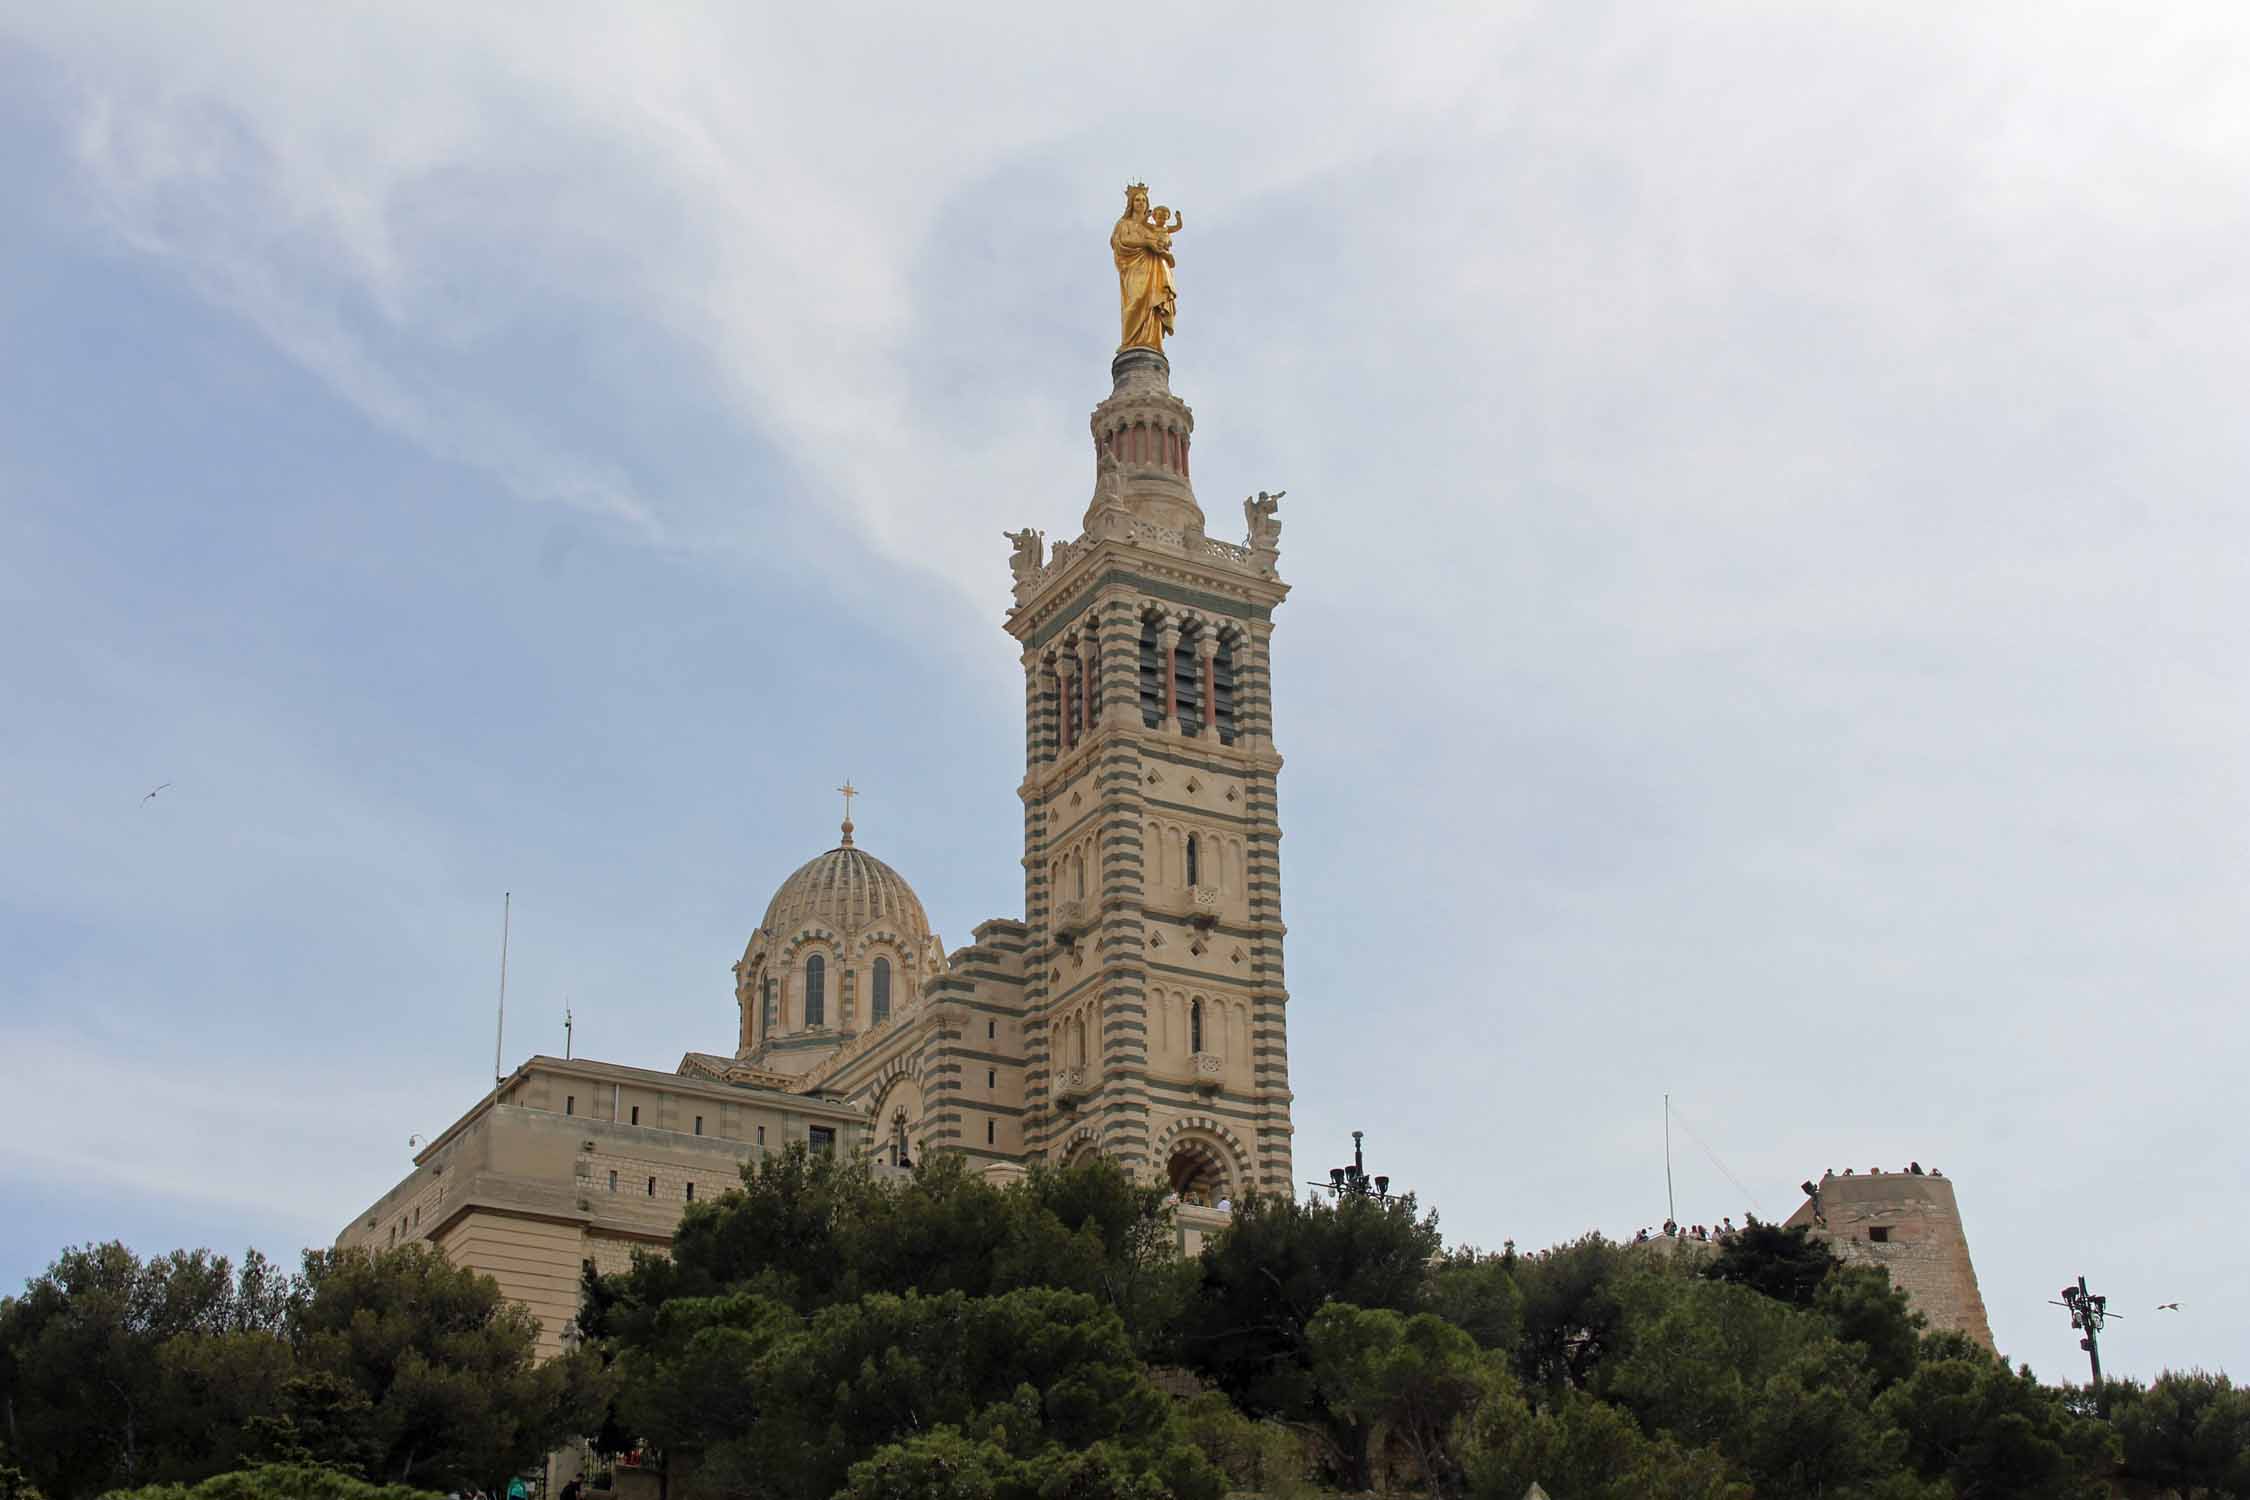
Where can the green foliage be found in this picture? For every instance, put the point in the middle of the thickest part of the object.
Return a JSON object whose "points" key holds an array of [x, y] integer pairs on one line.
{"points": [[1570, 1318], [1583, 1449], [91, 1402], [278, 1482], [115, 1371], [819, 1334], [2190, 1432], [1269, 1272], [811, 1231], [445, 1363], [1772, 1389], [1479, 1294], [1994, 1433], [742, 1391], [1865, 1310], [1262, 1457], [1415, 1377], [946, 1465], [1787, 1265]]}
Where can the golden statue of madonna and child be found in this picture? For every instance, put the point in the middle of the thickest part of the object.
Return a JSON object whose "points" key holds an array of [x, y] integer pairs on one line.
{"points": [[1142, 245]]}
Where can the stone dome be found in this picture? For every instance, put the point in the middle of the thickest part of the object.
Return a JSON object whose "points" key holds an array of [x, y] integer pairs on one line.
{"points": [[848, 891]]}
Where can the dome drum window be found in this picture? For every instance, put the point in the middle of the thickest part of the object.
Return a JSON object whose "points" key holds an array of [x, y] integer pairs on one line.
{"points": [[816, 991]]}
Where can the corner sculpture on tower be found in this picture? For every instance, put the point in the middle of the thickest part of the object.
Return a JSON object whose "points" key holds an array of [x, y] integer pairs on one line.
{"points": [[1137, 1011]]}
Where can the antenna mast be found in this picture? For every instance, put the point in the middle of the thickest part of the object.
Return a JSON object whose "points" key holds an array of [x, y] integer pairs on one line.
{"points": [[500, 1026], [1671, 1209]]}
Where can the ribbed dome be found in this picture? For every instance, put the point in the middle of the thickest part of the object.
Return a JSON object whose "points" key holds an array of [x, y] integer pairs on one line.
{"points": [[847, 890]]}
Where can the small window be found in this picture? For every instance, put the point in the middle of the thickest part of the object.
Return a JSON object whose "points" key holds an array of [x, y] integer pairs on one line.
{"points": [[570, 1104], [882, 990], [1193, 864], [991, 1078], [1078, 863], [816, 991], [691, 1192], [613, 1182], [1880, 1234], [417, 1218], [991, 1029], [699, 1124], [988, 1132], [821, 1138], [761, 1135], [1195, 1026], [652, 1187], [636, 1114], [765, 1028]]}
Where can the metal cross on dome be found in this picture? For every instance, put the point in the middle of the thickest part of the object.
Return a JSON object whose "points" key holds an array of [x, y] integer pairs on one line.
{"points": [[849, 792]]}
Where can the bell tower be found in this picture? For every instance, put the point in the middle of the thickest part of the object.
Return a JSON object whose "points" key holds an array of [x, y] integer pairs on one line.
{"points": [[1156, 1013]]}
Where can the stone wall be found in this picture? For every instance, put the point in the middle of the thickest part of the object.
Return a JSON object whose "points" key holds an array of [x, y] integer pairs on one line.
{"points": [[1910, 1224]]}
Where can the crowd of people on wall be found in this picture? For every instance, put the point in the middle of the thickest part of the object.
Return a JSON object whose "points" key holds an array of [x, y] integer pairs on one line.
{"points": [[1724, 1230]]}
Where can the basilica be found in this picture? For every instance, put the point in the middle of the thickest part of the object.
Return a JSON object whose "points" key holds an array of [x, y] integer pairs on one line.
{"points": [[1136, 1011]]}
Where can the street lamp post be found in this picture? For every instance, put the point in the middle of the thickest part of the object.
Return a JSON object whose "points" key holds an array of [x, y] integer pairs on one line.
{"points": [[2089, 1312], [1353, 1181]]}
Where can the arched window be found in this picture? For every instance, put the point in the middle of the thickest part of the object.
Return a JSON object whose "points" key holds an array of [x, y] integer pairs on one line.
{"points": [[883, 1000], [1078, 864], [766, 1015], [1078, 1042], [816, 991], [1195, 1026], [1194, 866], [900, 1156]]}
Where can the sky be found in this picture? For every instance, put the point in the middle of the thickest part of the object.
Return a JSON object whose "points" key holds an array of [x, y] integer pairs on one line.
{"points": [[1764, 515]]}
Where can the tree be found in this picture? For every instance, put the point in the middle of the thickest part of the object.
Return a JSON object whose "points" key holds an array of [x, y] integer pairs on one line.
{"points": [[1267, 1274], [87, 1401], [1583, 1449], [1570, 1315], [1769, 1386], [1264, 1458], [2189, 1432], [1787, 1265], [454, 1394], [1477, 1293], [1865, 1310], [1414, 1376], [1993, 1433], [743, 1394], [278, 1482]]}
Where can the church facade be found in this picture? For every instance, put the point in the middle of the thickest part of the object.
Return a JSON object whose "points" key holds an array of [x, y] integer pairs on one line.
{"points": [[1137, 1011]]}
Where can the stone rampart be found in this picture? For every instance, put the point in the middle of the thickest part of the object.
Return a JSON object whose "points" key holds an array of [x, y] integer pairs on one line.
{"points": [[1910, 1224]]}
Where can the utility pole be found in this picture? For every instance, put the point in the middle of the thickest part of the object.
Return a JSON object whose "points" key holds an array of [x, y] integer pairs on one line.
{"points": [[2089, 1312]]}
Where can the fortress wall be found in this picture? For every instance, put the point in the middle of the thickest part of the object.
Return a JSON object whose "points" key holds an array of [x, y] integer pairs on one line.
{"points": [[1909, 1224]]}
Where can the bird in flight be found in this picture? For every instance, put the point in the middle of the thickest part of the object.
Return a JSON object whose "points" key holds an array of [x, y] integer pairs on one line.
{"points": [[151, 794], [2167, 1307]]}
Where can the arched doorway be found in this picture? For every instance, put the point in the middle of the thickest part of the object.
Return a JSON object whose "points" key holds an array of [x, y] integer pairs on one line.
{"points": [[1199, 1172]]}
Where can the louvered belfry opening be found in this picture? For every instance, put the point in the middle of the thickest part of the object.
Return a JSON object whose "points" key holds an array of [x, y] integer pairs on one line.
{"points": [[1222, 691], [1187, 676], [1152, 677]]}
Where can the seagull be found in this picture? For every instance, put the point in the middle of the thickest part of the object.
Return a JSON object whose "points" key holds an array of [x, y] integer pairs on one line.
{"points": [[2167, 1307], [159, 789]]}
